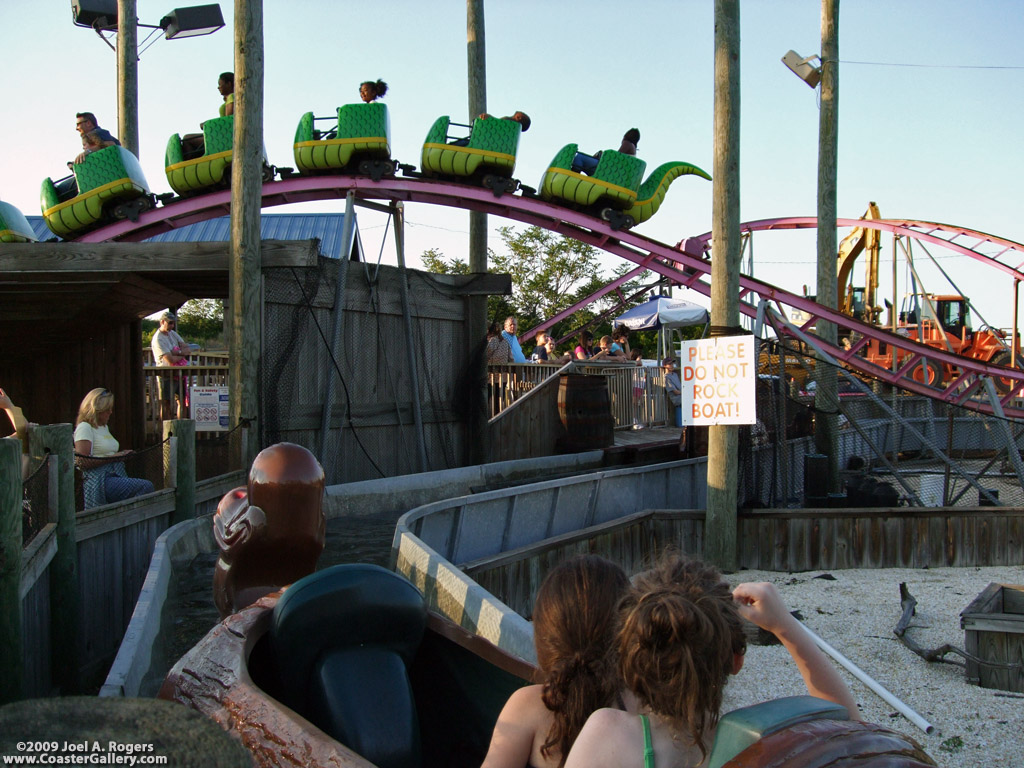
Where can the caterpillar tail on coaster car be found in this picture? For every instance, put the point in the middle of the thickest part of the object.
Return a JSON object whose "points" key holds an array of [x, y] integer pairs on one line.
{"points": [[14, 227], [652, 191], [609, 193], [199, 174], [489, 157], [110, 185], [361, 143]]}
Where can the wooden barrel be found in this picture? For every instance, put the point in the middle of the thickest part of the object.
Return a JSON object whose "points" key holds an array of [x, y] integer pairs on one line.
{"points": [[585, 411]]}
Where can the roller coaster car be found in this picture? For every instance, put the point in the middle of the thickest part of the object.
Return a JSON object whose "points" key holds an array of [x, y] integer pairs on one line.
{"points": [[614, 192], [209, 170], [14, 227], [359, 142], [609, 193], [489, 157], [110, 185]]}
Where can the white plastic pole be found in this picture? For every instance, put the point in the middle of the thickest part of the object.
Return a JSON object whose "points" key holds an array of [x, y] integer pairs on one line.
{"points": [[871, 683]]}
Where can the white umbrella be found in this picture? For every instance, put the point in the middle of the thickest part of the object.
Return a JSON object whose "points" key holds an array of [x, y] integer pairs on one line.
{"points": [[662, 312]]}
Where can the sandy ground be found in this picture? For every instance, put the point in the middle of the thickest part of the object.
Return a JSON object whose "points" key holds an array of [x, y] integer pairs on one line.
{"points": [[856, 614]]}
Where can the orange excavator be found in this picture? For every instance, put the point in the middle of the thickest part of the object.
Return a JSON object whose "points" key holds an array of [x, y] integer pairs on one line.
{"points": [[939, 321]]}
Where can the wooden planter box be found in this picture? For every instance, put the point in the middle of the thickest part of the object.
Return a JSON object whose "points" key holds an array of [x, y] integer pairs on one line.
{"points": [[994, 631]]}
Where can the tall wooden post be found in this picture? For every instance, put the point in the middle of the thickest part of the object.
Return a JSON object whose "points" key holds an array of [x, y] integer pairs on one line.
{"points": [[58, 441], [180, 466], [246, 201], [12, 659], [477, 66], [826, 398], [720, 520], [476, 306], [128, 76]]}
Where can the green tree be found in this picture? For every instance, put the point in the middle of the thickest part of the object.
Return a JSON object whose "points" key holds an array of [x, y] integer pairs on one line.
{"points": [[436, 262], [549, 274], [201, 320]]}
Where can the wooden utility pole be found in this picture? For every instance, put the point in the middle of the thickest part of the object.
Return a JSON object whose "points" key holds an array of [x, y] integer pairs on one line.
{"points": [[826, 398], [246, 201], [477, 65], [720, 520], [128, 76], [476, 306]]}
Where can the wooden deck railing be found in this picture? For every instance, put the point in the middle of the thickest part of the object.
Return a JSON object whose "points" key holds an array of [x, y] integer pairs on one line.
{"points": [[637, 393], [206, 369]]}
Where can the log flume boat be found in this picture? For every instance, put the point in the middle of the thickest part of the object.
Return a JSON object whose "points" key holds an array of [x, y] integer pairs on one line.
{"points": [[348, 668]]}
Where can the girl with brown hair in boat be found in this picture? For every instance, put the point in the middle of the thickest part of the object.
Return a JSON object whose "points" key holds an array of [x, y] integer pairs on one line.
{"points": [[680, 639], [574, 625]]}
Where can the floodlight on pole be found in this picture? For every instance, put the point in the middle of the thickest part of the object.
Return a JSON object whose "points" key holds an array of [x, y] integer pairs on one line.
{"points": [[802, 67], [195, 20], [102, 16]]}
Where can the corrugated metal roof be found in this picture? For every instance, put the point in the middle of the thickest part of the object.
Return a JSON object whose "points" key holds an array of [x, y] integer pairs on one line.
{"points": [[273, 226]]}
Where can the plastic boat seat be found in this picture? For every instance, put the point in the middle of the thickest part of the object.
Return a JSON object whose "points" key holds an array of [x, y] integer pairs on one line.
{"points": [[343, 639], [742, 727]]}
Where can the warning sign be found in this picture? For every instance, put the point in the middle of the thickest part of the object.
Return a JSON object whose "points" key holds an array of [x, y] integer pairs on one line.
{"points": [[209, 408], [718, 378]]}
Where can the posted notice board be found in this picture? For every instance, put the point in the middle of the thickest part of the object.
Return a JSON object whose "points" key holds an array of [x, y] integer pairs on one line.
{"points": [[208, 408], [718, 381]]}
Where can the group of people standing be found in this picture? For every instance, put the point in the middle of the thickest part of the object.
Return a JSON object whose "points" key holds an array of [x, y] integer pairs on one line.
{"points": [[502, 346], [633, 674]]}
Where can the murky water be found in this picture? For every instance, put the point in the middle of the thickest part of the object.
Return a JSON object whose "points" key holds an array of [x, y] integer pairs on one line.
{"points": [[189, 612]]}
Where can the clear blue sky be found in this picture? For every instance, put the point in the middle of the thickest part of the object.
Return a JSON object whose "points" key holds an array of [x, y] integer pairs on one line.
{"points": [[932, 142]]}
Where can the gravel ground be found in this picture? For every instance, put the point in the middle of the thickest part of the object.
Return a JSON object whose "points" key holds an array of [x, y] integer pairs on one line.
{"points": [[856, 613]]}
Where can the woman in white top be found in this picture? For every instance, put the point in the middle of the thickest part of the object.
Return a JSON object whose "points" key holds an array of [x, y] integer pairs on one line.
{"points": [[97, 452]]}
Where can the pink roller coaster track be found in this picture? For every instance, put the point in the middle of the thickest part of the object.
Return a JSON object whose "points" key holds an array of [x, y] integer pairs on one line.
{"points": [[687, 265]]}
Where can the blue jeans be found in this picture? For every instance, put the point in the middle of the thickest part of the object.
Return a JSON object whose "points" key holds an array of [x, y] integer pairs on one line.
{"points": [[583, 163], [121, 488]]}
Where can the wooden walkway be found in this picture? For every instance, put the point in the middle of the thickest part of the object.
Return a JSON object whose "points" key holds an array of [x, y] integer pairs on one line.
{"points": [[647, 435]]}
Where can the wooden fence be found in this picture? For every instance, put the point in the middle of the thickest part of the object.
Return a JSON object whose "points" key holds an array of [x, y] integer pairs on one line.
{"points": [[637, 393], [67, 597], [773, 540], [523, 400]]}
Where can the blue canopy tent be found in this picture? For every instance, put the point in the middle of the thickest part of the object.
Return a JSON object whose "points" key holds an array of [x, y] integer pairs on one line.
{"points": [[664, 313]]}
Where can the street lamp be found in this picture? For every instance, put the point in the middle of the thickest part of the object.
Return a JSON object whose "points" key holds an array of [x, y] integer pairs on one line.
{"points": [[803, 68], [193, 21], [101, 15]]}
